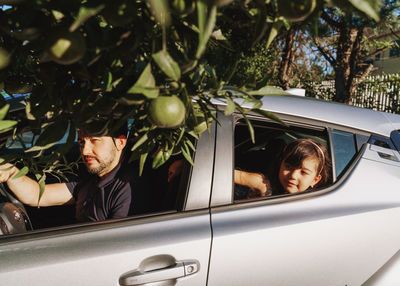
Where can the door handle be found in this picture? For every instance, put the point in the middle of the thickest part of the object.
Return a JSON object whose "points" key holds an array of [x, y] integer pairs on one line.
{"points": [[178, 270]]}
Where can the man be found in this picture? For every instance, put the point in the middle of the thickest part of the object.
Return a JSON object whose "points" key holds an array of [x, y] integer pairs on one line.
{"points": [[103, 193]]}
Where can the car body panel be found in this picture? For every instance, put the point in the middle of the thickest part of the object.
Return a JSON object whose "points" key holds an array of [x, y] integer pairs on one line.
{"points": [[328, 237], [101, 253], [337, 238], [330, 112], [101, 256]]}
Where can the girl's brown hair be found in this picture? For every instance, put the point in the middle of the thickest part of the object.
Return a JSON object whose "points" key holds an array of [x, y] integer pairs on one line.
{"points": [[296, 151]]}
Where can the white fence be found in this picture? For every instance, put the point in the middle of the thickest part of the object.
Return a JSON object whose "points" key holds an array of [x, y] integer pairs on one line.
{"points": [[381, 92]]}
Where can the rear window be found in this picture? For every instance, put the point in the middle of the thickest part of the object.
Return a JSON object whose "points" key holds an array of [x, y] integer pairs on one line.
{"points": [[344, 149]]}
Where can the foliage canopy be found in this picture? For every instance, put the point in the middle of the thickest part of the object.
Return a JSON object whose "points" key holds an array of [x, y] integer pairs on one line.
{"points": [[94, 64]]}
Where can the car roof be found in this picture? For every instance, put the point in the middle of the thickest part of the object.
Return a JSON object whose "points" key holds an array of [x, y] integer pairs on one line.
{"points": [[331, 112]]}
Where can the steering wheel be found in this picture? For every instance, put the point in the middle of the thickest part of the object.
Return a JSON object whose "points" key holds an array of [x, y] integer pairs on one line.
{"points": [[13, 216]]}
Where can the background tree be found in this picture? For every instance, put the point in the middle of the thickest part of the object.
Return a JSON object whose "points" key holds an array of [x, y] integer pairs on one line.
{"points": [[95, 63], [343, 43]]}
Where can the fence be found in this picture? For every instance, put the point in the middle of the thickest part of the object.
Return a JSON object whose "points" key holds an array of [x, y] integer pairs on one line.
{"points": [[381, 92]]}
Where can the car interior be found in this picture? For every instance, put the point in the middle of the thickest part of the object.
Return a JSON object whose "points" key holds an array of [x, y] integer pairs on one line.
{"points": [[262, 156]]}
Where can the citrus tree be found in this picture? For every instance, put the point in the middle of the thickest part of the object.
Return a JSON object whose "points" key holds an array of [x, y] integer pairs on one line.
{"points": [[94, 64]]}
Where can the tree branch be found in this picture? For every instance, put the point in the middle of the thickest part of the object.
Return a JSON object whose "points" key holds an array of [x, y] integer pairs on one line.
{"points": [[326, 53], [326, 17]]}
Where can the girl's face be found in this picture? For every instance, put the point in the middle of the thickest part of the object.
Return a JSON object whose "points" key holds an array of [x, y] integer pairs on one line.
{"points": [[298, 179]]}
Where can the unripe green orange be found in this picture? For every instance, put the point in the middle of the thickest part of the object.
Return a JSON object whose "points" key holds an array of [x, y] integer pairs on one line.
{"points": [[296, 10], [167, 111]]}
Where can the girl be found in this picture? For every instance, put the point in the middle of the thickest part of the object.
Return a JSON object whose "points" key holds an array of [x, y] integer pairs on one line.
{"points": [[304, 164]]}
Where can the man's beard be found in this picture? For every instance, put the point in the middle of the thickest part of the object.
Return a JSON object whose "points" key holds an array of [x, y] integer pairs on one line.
{"points": [[102, 164]]}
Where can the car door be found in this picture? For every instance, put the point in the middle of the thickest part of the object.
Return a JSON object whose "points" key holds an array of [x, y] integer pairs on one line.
{"points": [[339, 235], [170, 248]]}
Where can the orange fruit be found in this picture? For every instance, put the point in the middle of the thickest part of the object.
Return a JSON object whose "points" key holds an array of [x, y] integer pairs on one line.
{"points": [[167, 111]]}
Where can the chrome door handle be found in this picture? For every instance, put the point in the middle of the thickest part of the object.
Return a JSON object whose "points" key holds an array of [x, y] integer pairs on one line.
{"points": [[178, 270]]}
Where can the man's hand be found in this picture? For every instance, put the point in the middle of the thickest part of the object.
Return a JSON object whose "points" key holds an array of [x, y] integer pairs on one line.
{"points": [[7, 171], [258, 182], [174, 169], [255, 181]]}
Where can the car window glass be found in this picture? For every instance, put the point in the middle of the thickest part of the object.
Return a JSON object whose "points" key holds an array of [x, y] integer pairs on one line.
{"points": [[344, 148], [395, 137]]}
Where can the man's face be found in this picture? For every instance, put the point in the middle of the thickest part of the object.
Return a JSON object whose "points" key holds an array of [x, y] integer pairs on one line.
{"points": [[99, 154]]}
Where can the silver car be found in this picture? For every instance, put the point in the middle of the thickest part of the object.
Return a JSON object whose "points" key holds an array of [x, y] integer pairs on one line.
{"points": [[344, 233]]}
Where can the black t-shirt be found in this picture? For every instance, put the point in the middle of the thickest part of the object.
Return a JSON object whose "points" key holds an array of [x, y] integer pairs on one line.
{"points": [[99, 199]]}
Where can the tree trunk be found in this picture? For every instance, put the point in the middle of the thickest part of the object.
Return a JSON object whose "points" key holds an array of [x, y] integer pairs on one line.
{"points": [[345, 67], [287, 60]]}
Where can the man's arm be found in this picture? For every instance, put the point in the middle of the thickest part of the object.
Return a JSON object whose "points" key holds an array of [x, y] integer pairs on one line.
{"points": [[255, 181], [27, 190]]}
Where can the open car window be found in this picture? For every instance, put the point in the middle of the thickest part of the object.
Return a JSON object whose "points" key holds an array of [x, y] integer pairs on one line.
{"points": [[156, 190], [264, 155]]}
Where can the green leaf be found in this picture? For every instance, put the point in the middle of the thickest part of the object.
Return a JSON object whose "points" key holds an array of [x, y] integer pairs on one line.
{"points": [[249, 126], [146, 84], [84, 14], [270, 115], [276, 26], [142, 161], [140, 141], [50, 136], [146, 79], [186, 153], [161, 157], [131, 99], [194, 134], [42, 185], [3, 111], [21, 173], [70, 140], [167, 64], [190, 144], [207, 17], [6, 125], [109, 82], [28, 111], [160, 10], [261, 25], [60, 47], [268, 90], [230, 107], [149, 92], [369, 7]]}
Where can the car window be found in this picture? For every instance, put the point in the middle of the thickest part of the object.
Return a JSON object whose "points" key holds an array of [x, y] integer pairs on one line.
{"points": [[263, 156], [344, 148], [395, 136], [158, 190]]}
